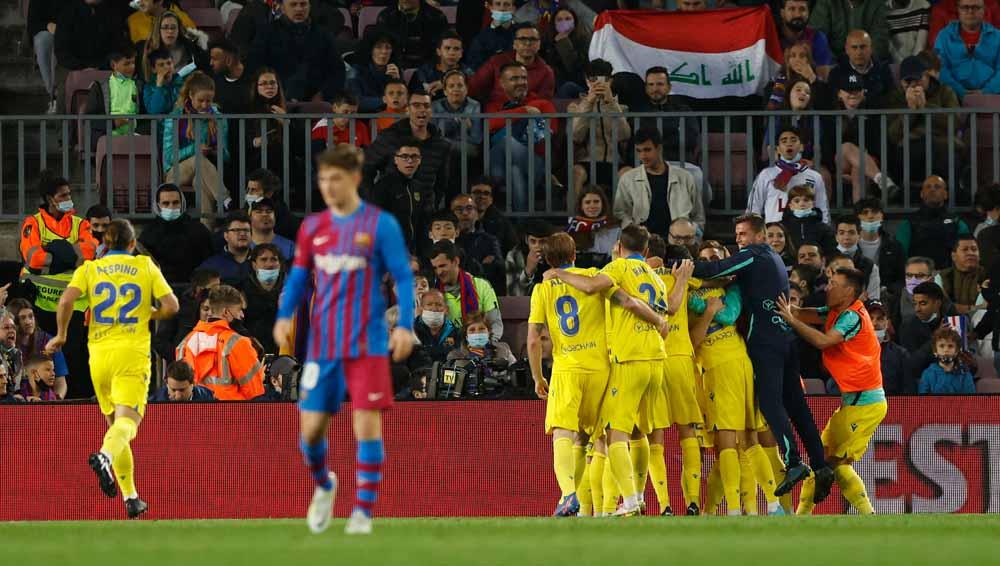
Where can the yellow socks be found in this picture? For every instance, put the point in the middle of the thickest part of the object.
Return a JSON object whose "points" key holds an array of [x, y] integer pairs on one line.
{"points": [[658, 475], [691, 470], [762, 471], [729, 471], [853, 489], [579, 464], [713, 495], [584, 493], [639, 451], [125, 471], [118, 436], [596, 472], [806, 504], [748, 484], [564, 464], [622, 469], [778, 469], [611, 490]]}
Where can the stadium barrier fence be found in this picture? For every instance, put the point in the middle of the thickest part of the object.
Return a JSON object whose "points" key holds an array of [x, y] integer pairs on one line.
{"points": [[729, 150], [475, 458]]}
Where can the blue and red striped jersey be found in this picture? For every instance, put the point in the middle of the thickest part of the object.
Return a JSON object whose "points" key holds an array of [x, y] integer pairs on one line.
{"points": [[348, 257]]}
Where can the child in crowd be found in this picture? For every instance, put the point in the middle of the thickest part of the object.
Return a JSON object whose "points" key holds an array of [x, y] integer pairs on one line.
{"points": [[477, 342], [40, 379], [394, 97], [343, 104], [803, 221], [947, 375], [164, 85], [119, 94]]}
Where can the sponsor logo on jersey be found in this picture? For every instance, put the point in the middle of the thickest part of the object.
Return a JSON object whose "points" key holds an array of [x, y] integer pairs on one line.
{"points": [[336, 263]]}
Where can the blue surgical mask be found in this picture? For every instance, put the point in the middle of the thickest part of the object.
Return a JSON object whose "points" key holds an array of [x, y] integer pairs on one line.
{"points": [[500, 18], [268, 276], [64, 206], [848, 251], [805, 213], [796, 159], [254, 199], [989, 221], [479, 339], [170, 214], [871, 227]]}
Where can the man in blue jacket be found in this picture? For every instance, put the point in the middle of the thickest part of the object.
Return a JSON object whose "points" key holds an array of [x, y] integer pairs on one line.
{"points": [[969, 50]]}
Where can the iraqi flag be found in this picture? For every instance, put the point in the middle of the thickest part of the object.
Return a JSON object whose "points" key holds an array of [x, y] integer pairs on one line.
{"points": [[710, 54]]}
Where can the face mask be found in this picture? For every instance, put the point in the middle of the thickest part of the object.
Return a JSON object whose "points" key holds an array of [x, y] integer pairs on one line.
{"points": [[254, 199], [565, 26], [64, 206], [802, 213], [871, 227], [881, 334], [945, 359], [848, 251], [500, 18], [479, 340], [795, 159], [932, 318], [170, 214], [432, 319], [989, 221], [268, 276]]}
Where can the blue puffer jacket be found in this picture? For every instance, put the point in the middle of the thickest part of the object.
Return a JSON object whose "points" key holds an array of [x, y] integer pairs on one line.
{"points": [[963, 71]]}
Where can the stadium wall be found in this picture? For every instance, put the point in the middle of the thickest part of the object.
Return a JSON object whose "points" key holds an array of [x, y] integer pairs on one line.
{"points": [[478, 458]]}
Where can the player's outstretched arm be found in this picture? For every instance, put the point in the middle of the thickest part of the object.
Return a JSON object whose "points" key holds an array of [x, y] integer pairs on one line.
{"points": [[699, 325], [819, 340], [681, 272], [585, 283], [641, 310], [64, 312], [723, 267], [535, 359], [169, 306]]}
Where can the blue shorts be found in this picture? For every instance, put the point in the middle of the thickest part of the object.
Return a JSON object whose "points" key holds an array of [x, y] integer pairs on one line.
{"points": [[324, 383]]}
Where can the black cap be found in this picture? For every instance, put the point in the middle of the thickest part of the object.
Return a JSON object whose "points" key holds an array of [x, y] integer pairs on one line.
{"points": [[851, 82], [263, 203], [875, 305], [912, 68]]}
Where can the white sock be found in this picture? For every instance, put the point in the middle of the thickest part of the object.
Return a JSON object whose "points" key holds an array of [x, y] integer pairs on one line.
{"points": [[734, 513], [106, 455], [772, 507], [631, 502]]}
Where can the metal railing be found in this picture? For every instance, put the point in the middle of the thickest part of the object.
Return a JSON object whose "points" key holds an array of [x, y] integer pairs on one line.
{"points": [[730, 149]]}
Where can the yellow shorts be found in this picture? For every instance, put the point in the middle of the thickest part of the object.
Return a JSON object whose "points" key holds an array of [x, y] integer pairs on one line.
{"points": [[682, 390], [654, 410], [121, 377], [731, 403], [850, 429], [626, 387], [574, 401]]}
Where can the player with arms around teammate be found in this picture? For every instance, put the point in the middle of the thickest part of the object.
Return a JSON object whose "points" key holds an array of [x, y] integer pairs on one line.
{"points": [[347, 249], [851, 352], [575, 321], [119, 289], [635, 396]]}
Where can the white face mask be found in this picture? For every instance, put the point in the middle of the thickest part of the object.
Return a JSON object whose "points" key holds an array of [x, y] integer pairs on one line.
{"points": [[881, 334], [64, 206], [432, 319]]}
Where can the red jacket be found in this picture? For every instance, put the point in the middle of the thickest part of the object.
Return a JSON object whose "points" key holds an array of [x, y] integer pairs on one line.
{"points": [[223, 361], [485, 84], [496, 107], [946, 11]]}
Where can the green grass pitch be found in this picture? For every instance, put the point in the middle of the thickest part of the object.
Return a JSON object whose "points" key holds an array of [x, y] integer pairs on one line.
{"points": [[702, 541]]}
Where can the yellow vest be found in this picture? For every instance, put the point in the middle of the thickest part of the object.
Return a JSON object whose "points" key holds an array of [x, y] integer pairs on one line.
{"points": [[50, 286]]}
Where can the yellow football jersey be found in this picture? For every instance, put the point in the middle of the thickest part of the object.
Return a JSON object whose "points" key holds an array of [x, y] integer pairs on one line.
{"points": [[120, 289], [722, 344], [678, 342], [629, 337], [576, 324]]}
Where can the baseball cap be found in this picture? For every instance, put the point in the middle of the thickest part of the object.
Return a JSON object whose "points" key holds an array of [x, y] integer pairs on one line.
{"points": [[912, 68], [874, 305], [851, 82]]}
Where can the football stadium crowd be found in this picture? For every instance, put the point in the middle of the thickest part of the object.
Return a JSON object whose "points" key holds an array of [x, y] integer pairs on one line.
{"points": [[927, 276]]}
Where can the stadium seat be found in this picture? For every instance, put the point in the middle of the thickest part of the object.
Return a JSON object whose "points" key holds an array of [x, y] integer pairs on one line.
{"points": [[309, 107], [189, 4], [515, 308], [737, 164], [209, 20], [121, 149], [815, 387], [988, 386], [228, 27], [78, 84], [450, 12], [367, 18], [407, 75], [348, 21]]}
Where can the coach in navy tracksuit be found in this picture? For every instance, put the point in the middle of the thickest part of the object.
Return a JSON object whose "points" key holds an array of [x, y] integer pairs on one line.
{"points": [[773, 350]]}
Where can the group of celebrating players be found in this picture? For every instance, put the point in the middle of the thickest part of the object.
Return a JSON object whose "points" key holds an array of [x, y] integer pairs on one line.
{"points": [[650, 341]]}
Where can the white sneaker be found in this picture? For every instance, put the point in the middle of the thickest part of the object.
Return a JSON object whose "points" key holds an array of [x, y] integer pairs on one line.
{"points": [[53, 107], [318, 516], [358, 524]]}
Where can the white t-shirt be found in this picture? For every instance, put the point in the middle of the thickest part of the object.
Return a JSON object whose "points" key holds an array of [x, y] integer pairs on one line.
{"points": [[770, 201]]}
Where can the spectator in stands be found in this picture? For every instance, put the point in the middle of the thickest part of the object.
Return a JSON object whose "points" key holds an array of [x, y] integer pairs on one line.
{"points": [[433, 174], [612, 129], [434, 329], [804, 221], [962, 281], [176, 241], [793, 28], [232, 82], [378, 64], [163, 86], [848, 234], [494, 222], [544, 13], [99, 217], [232, 263], [800, 98], [120, 93], [987, 233], [947, 375], [10, 355], [223, 360], [31, 341], [443, 226], [257, 16], [908, 21], [261, 289], [769, 195], [39, 380], [179, 386], [262, 223], [54, 241], [343, 105], [684, 233], [141, 23], [497, 38], [7, 396], [970, 52], [837, 18], [268, 98], [187, 46], [416, 366], [41, 26], [944, 12], [193, 307], [487, 83], [263, 184], [430, 75], [86, 33], [780, 241], [394, 98], [932, 231], [456, 102], [809, 253], [565, 48], [418, 25], [894, 358], [803, 276], [400, 193], [526, 262], [199, 143], [594, 229], [464, 294], [916, 329], [879, 245], [477, 244], [480, 343], [302, 52], [918, 270], [656, 193], [873, 71], [658, 100]]}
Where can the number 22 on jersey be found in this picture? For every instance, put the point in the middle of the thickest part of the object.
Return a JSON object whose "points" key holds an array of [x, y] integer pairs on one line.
{"points": [[130, 293]]}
